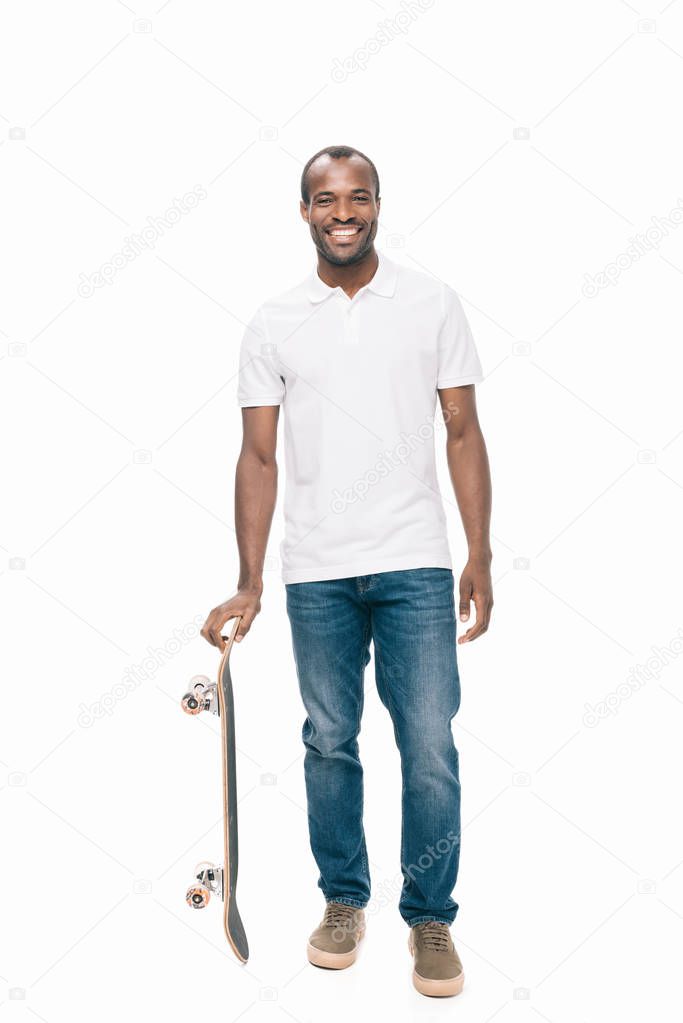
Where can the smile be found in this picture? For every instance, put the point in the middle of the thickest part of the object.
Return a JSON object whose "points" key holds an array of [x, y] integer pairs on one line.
{"points": [[344, 232]]}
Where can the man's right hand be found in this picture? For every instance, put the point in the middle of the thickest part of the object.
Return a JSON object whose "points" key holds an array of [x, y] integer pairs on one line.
{"points": [[245, 604]]}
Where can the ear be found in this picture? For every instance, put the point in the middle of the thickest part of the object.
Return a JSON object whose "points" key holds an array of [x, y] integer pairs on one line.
{"points": [[303, 209], [378, 204]]}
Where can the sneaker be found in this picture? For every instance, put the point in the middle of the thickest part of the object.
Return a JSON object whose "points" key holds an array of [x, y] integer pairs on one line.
{"points": [[437, 967], [334, 943]]}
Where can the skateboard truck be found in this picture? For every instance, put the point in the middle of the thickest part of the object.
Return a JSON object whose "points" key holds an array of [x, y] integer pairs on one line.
{"points": [[210, 878]]}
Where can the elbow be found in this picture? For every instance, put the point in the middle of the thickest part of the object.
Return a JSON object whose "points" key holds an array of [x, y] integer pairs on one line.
{"points": [[259, 459]]}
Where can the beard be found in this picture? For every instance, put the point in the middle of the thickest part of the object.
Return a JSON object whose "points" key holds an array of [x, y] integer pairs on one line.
{"points": [[347, 257]]}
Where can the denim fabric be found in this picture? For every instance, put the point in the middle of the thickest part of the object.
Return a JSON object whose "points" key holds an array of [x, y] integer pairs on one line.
{"points": [[410, 618]]}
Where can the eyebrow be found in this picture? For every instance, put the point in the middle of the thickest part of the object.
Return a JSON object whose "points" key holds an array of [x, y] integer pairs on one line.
{"points": [[354, 191]]}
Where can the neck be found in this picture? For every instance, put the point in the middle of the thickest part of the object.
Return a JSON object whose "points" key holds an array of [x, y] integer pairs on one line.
{"points": [[351, 277]]}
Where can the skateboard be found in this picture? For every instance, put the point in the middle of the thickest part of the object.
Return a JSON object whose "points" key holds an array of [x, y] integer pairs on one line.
{"points": [[212, 879]]}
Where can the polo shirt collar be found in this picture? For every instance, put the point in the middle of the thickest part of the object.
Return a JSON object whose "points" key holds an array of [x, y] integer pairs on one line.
{"points": [[383, 283]]}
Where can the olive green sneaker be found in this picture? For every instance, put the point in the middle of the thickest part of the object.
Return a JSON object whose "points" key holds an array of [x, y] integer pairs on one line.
{"points": [[334, 943], [437, 967]]}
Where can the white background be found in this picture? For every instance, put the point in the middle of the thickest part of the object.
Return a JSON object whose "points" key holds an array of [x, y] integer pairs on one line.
{"points": [[520, 147]]}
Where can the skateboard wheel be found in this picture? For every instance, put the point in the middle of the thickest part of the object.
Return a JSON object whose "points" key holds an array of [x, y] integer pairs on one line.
{"points": [[191, 704], [197, 896], [200, 681]]}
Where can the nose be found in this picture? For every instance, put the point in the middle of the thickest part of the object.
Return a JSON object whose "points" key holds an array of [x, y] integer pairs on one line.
{"points": [[344, 210]]}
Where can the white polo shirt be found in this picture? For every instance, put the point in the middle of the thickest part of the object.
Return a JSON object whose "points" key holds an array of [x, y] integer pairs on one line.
{"points": [[357, 379]]}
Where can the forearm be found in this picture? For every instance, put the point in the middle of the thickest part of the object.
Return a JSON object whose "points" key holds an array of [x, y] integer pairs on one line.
{"points": [[468, 465], [255, 495]]}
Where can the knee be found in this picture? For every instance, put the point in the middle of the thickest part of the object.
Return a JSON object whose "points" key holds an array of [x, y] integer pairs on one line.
{"points": [[330, 738], [429, 752]]}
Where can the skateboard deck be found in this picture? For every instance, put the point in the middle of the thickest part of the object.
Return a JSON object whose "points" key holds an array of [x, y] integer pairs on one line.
{"points": [[212, 878]]}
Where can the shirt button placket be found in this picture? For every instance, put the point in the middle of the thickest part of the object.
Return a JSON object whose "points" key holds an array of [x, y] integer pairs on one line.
{"points": [[350, 328]]}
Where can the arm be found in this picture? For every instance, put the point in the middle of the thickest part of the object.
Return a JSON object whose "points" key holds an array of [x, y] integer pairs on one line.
{"points": [[469, 469], [255, 493]]}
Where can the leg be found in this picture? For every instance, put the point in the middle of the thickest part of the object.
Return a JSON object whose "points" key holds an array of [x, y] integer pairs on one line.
{"points": [[413, 628], [331, 638]]}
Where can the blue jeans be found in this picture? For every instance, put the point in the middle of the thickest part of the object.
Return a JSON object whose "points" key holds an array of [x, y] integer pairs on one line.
{"points": [[410, 618]]}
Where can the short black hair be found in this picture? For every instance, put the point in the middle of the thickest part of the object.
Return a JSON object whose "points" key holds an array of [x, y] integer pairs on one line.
{"points": [[337, 153]]}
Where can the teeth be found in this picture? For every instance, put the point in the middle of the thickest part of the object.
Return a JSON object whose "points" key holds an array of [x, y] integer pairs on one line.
{"points": [[344, 232]]}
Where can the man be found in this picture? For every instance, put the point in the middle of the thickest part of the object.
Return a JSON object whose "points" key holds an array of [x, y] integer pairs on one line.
{"points": [[357, 355]]}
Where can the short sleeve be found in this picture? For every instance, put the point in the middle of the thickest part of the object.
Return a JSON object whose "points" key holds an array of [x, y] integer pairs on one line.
{"points": [[458, 359], [259, 380]]}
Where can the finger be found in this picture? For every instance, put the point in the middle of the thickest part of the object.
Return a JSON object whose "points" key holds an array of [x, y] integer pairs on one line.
{"points": [[480, 623], [217, 637], [472, 633], [465, 597], [239, 631], [245, 624], [206, 631], [215, 628], [225, 617], [489, 611]]}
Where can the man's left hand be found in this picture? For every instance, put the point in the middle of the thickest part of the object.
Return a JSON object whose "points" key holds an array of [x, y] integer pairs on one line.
{"points": [[475, 585]]}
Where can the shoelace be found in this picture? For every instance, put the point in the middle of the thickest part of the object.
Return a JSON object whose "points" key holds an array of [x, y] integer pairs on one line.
{"points": [[435, 935], [338, 915]]}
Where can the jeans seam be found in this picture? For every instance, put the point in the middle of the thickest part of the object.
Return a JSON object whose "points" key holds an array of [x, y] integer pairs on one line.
{"points": [[390, 702], [356, 903], [361, 671], [414, 921], [391, 708]]}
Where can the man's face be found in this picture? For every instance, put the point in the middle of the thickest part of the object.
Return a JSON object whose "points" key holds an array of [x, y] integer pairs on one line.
{"points": [[342, 211]]}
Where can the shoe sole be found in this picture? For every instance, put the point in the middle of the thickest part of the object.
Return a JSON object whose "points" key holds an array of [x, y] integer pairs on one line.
{"points": [[333, 960], [436, 988]]}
